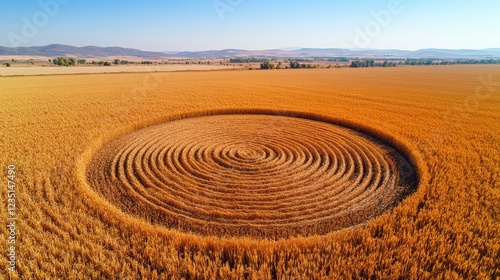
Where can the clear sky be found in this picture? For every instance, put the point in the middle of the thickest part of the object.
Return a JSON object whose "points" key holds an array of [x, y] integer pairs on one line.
{"points": [[177, 25]]}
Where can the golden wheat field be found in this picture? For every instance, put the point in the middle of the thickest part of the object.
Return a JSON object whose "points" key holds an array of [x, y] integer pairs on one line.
{"points": [[41, 70], [374, 173]]}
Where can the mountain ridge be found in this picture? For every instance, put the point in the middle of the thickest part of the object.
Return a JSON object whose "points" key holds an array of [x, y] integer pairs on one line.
{"points": [[95, 51]]}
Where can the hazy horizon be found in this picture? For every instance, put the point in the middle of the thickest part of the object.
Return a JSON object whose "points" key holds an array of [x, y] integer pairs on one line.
{"points": [[251, 25], [282, 49]]}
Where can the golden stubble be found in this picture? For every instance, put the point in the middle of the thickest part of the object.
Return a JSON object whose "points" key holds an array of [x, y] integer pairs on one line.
{"points": [[443, 118]]}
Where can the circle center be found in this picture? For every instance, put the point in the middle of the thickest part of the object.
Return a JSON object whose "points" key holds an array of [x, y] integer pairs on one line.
{"points": [[246, 153]]}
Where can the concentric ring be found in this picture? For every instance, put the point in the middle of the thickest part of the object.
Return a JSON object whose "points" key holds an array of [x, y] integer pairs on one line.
{"points": [[251, 175]]}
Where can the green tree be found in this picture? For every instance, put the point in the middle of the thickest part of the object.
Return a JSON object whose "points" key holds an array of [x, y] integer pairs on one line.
{"points": [[116, 61], [64, 61], [266, 65], [294, 64]]}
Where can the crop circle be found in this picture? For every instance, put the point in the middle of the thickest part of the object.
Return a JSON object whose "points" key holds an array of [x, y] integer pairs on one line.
{"points": [[251, 175]]}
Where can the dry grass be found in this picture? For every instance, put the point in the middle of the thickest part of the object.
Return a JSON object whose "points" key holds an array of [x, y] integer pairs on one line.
{"points": [[53, 126], [54, 70]]}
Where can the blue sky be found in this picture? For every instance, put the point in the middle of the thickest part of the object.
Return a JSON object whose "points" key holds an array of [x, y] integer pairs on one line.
{"points": [[251, 24]]}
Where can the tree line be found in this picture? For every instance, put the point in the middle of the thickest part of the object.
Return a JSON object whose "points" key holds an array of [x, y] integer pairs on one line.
{"points": [[292, 65], [70, 61], [371, 63], [245, 60], [450, 61], [420, 61]]}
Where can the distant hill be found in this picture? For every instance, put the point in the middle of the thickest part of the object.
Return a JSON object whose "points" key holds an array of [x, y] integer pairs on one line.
{"points": [[336, 52], [88, 51], [92, 51]]}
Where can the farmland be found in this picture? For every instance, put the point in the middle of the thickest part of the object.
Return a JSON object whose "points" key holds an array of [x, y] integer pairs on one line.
{"points": [[42, 70], [284, 174]]}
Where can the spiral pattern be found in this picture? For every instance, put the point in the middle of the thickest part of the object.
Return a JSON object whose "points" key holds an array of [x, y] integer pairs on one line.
{"points": [[251, 175]]}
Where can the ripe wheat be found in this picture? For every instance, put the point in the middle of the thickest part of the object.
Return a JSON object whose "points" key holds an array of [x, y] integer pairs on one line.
{"points": [[89, 149]]}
